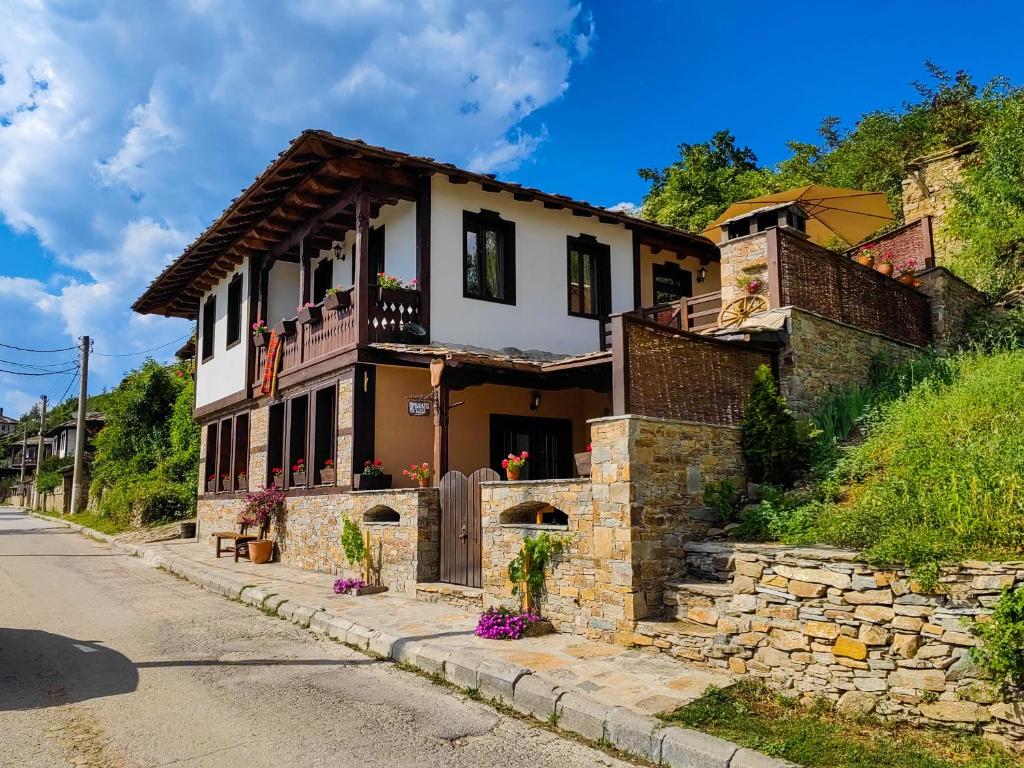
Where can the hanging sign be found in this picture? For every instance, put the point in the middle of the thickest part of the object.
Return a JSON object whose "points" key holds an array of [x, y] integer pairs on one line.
{"points": [[419, 406]]}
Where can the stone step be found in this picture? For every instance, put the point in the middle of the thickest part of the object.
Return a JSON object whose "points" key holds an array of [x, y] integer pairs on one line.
{"points": [[470, 598], [701, 587]]}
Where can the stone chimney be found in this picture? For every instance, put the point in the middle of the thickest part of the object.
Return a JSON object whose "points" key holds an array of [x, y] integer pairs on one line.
{"points": [[928, 191]]}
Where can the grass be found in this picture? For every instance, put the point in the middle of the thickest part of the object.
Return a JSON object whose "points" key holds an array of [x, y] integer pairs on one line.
{"points": [[817, 737], [91, 520]]}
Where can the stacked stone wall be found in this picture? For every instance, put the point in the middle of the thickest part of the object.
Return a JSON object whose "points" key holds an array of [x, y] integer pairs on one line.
{"points": [[928, 191], [821, 622], [952, 302], [747, 255]]}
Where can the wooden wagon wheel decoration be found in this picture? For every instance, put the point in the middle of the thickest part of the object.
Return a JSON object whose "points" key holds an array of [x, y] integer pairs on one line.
{"points": [[737, 311]]}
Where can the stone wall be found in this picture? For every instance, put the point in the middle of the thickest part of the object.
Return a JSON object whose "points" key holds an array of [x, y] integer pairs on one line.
{"points": [[928, 191], [952, 302], [823, 356], [822, 623], [310, 536], [570, 597], [747, 255]]}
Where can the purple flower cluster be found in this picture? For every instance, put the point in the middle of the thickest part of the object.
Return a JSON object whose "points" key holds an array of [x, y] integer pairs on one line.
{"points": [[504, 623], [344, 586]]}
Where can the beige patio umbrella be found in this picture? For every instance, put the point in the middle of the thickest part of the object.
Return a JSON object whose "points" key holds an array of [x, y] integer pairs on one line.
{"points": [[850, 214]]}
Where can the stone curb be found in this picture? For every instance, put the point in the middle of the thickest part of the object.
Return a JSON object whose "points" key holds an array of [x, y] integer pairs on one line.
{"points": [[571, 711]]}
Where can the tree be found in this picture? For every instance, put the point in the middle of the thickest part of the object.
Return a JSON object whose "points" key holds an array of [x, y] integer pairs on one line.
{"points": [[769, 438], [706, 178]]}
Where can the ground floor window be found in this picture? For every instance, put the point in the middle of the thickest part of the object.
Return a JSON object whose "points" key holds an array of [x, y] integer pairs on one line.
{"points": [[302, 439], [548, 441], [227, 454]]}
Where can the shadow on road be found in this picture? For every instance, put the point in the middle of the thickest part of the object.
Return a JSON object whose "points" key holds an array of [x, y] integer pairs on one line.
{"points": [[40, 669]]}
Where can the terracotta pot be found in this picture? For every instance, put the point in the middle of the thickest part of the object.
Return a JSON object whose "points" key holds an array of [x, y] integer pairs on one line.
{"points": [[335, 302], [260, 551], [260, 339], [371, 482], [866, 261], [907, 278], [885, 269], [424, 482], [312, 314], [583, 463], [513, 474], [326, 477]]}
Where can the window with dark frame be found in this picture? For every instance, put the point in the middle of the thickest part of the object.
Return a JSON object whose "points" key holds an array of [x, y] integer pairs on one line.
{"points": [[224, 451], [324, 432], [323, 278], [234, 310], [241, 466], [297, 438], [275, 443], [589, 277], [489, 257], [209, 326], [210, 465], [375, 252], [227, 454], [671, 283]]}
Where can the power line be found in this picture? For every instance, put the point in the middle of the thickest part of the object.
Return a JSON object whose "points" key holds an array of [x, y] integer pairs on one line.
{"points": [[39, 373], [144, 351], [67, 391], [41, 351], [48, 367]]}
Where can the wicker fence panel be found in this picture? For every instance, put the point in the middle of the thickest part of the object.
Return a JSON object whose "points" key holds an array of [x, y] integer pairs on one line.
{"points": [[912, 241], [678, 375], [831, 285]]}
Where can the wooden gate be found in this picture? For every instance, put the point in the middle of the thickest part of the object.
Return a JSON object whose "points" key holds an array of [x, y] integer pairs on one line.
{"points": [[461, 532]]}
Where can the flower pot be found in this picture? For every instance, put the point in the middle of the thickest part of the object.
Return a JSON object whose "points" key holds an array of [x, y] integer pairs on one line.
{"points": [[583, 463], [326, 477], [243, 482], [424, 482], [285, 328], [298, 479], [885, 269], [371, 482], [211, 486], [335, 302], [260, 551], [513, 474], [312, 314], [188, 530], [866, 261], [275, 482], [907, 278], [261, 338]]}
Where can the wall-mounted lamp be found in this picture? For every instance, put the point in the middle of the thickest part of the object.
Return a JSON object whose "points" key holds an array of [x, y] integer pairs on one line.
{"points": [[534, 401], [339, 252], [702, 274]]}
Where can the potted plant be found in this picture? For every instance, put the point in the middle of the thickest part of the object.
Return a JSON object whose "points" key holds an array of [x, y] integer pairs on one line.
{"points": [[285, 328], [583, 461], [513, 465], [905, 270], [262, 509], [310, 313], [260, 333], [277, 476], [388, 281], [866, 257], [337, 299], [299, 472], [752, 284], [883, 264], [372, 477], [211, 484], [327, 473], [243, 481], [225, 481], [421, 473]]}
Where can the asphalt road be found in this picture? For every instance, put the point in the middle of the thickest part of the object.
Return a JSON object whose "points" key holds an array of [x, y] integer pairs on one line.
{"points": [[107, 662]]}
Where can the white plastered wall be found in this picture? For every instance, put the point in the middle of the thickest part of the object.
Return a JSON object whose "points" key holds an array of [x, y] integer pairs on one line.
{"points": [[224, 373]]}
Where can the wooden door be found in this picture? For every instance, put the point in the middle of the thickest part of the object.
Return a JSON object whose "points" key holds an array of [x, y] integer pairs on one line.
{"points": [[461, 531], [548, 441]]}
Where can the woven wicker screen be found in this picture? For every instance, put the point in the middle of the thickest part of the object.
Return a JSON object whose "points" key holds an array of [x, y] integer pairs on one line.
{"points": [[907, 242], [679, 375], [815, 279]]}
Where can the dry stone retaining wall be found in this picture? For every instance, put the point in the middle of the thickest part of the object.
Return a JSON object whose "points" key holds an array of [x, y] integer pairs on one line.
{"points": [[823, 623], [952, 302]]}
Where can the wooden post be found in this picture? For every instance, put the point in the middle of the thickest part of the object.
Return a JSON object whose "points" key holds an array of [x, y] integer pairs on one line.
{"points": [[367, 557], [78, 479], [423, 252], [440, 389], [620, 367], [929, 242], [42, 432], [637, 274], [774, 274], [24, 455], [362, 264]]}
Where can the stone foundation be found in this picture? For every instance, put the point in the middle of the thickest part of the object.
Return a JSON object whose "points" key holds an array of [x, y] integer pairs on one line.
{"points": [[953, 302], [310, 536], [820, 622]]}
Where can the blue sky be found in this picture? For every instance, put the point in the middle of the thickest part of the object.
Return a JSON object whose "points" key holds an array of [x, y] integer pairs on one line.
{"points": [[126, 127]]}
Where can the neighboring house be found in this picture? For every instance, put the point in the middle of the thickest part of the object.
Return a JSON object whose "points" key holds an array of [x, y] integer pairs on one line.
{"points": [[524, 321], [64, 435], [7, 424]]}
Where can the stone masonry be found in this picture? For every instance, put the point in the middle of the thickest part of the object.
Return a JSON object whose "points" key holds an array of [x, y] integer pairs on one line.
{"points": [[928, 191], [820, 622], [952, 302], [747, 255]]}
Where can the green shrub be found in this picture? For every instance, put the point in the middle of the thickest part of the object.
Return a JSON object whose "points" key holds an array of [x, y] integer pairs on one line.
{"points": [[769, 436], [1002, 638], [990, 331], [352, 542], [722, 498], [841, 412], [49, 476], [146, 500]]}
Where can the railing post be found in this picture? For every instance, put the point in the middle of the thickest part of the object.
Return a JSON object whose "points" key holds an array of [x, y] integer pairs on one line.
{"points": [[774, 273], [362, 276]]}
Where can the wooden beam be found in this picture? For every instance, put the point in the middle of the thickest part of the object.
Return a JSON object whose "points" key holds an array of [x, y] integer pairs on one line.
{"points": [[440, 397], [369, 172], [423, 251], [637, 276], [362, 265]]}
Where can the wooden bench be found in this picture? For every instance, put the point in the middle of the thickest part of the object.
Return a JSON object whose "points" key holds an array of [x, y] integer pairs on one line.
{"points": [[239, 540]]}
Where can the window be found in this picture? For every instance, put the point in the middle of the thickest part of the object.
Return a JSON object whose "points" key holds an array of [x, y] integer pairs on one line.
{"points": [[227, 454], [303, 427], [489, 258], [235, 310], [210, 469], [209, 324], [275, 442], [324, 439], [240, 473], [297, 437], [224, 475], [549, 442], [590, 284], [323, 278], [375, 251], [671, 283]]}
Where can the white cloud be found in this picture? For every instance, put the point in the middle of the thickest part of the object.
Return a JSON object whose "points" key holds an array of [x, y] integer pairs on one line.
{"points": [[126, 128], [631, 209]]}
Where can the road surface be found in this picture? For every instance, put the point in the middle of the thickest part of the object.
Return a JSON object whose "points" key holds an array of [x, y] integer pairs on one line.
{"points": [[107, 662]]}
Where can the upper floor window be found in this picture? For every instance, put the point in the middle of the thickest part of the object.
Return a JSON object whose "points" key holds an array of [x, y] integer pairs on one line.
{"points": [[671, 283], [590, 284], [489, 257], [375, 251], [323, 278], [209, 324], [235, 310]]}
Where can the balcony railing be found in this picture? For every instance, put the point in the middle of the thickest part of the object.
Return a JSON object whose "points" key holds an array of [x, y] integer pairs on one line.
{"points": [[694, 314], [390, 312]]}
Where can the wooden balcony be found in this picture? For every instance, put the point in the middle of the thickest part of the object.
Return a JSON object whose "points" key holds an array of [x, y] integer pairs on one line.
{"points": [[390, 312], [688, 314]]}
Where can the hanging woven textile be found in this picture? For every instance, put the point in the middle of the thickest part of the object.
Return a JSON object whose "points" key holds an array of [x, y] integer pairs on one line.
{"points": [[272, 364]]}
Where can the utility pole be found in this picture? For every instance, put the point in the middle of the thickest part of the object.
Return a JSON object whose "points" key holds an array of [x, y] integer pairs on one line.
{"points": [[42, 431], [78, 480], [24, 452]]}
